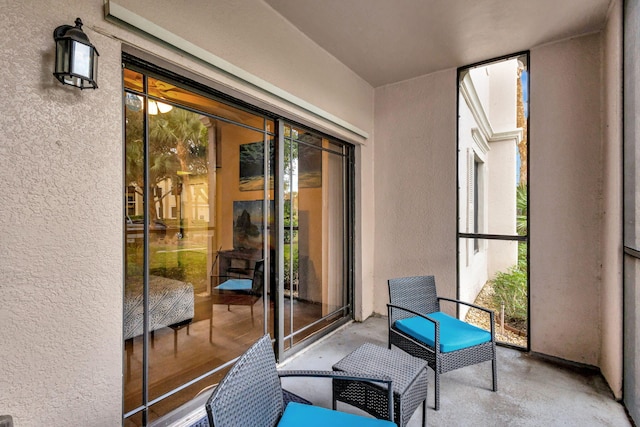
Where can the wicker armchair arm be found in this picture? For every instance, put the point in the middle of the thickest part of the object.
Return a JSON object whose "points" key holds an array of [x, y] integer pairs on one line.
{"points": [[492, 315], [436, 324], [415, 313], [339, 375]]}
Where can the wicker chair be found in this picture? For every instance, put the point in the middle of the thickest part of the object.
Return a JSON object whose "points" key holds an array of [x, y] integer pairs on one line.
{"points": [[417, 326], [238, 292], [251, 395]]}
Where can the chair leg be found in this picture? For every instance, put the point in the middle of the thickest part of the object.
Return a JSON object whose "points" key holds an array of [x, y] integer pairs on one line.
{"points": [[252, 321], [495, 373], [211, 326], [437, 388], [128, 346], [424, 413], [175, 342]]}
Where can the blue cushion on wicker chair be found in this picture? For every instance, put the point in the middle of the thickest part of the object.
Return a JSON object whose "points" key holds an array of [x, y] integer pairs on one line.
{"points": [[235, 285], [454, 334], [296, 415]]}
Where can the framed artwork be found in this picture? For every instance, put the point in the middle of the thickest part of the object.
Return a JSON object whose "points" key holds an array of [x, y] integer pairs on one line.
{"points": [[248, 227], [252, 166], [309, 167]]}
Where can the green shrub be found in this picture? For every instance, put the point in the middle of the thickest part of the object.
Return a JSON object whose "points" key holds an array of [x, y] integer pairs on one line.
{"points": [[510, 287]]}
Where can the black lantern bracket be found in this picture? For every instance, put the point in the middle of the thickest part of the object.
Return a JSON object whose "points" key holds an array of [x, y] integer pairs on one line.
{"points": [[76, 58]]}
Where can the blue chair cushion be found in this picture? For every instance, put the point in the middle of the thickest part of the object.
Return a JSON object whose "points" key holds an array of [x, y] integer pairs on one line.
{"points": [[235, 285], [454, 334], [297, 414]]}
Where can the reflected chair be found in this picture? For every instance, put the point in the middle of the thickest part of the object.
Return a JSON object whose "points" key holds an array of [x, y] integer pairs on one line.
{"points": [[251, 395], [417, 326], [239, 291]]}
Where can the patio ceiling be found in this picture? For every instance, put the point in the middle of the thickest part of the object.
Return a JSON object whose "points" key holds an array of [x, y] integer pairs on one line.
{"points": [[386, 41]]}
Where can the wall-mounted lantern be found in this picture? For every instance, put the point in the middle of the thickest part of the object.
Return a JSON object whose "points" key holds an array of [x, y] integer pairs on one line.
{"points": [[76, 57]]}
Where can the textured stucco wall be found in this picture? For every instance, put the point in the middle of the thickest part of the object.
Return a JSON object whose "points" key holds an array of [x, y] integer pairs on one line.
{"points": [[611, 313], [61, 161], [415, 182], [60, 212], [565, 199], [415, 192]]}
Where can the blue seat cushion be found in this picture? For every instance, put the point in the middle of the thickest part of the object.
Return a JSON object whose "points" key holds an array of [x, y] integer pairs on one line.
{"points": [[297, 415], [454, 334], [235, 285]]}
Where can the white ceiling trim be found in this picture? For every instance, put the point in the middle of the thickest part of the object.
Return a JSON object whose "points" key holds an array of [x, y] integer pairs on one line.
{"points": [[120, 13]]}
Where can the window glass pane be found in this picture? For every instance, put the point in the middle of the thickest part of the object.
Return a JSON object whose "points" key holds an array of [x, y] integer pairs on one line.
{"points": [[206, 233], [168, 91], [134, 257], [493, 194], [492, 158], [132, 80], [302, 135], [493, 275], [315, 235]]}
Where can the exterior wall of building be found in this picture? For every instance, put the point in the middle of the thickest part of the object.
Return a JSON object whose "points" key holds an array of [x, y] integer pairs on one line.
{"points": [[62, 210]]}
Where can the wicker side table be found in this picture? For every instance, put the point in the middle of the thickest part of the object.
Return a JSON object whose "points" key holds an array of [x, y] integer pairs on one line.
{"points": [[409, 375]]}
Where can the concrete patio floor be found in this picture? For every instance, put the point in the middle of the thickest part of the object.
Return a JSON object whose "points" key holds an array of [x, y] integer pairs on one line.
{"points": [[532, 391]]}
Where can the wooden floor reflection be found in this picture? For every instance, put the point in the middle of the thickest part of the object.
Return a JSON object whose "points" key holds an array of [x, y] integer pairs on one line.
{"points": [[177, 356]]}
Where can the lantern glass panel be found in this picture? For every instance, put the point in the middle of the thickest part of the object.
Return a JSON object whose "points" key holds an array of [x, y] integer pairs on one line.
{"points": [[95, 65], [62, 56], [81, 63]]}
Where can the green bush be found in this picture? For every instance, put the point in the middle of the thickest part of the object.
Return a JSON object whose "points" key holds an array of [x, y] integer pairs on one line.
{"points": [[510, 287]]}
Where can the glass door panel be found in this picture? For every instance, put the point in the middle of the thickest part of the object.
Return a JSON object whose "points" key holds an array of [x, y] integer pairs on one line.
{"points": [[201, 243], [315, 228], [134, 255]]}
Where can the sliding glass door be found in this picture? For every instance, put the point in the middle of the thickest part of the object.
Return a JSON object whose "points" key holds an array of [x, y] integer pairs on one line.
{"points": [[237, 224], [316, 233]]}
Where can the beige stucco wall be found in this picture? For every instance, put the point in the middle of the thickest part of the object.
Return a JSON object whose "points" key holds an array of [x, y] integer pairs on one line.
{"points": [[61, 261], [611, 304], [566, 199], [415, 196], [61, 208], [415, 182], [631, 320], [61, 162]]}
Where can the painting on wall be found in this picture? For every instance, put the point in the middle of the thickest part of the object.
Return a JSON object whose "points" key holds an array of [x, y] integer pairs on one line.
{"points": [[248, 227], [252, 166], [309, 166]]}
